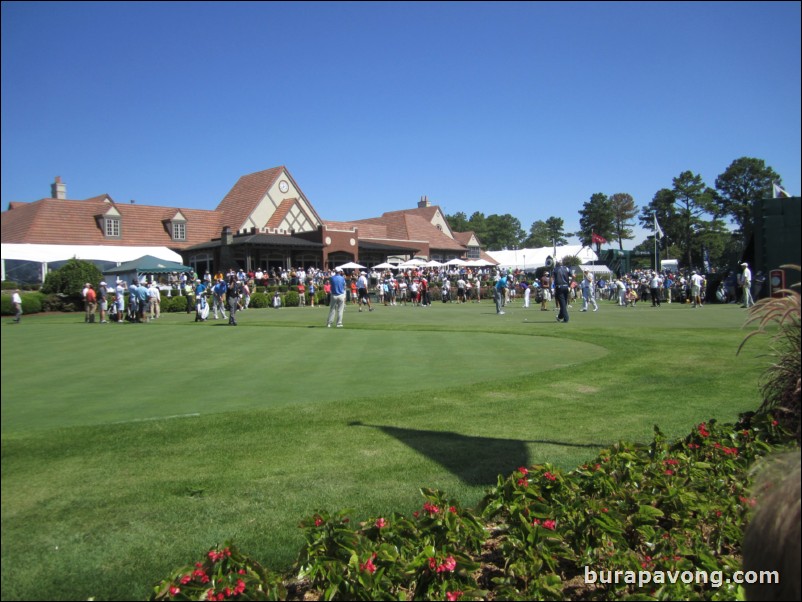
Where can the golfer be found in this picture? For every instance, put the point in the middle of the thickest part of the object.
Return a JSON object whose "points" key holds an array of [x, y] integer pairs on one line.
{"points": [[337, 304]]}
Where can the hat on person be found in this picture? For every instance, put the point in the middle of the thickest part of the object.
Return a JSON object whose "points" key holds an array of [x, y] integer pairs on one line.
{"points": [[102, 283], [744, 264], [338, 270]]}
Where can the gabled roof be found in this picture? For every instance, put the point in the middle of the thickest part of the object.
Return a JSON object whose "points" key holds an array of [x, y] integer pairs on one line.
{"points": [[70, 222], [414, 224], [245, 196], [464, 238]]}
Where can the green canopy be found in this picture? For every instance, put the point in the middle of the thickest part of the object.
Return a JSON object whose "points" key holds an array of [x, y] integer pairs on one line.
{"points": [[148, 264]]}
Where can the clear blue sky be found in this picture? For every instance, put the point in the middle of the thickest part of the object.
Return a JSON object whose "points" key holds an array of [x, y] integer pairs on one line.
{"points": [[519, 108]]}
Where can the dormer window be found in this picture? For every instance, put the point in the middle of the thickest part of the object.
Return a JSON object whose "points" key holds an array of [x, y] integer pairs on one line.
{"points": [[179, 231], [177, 226], [112, 227]]}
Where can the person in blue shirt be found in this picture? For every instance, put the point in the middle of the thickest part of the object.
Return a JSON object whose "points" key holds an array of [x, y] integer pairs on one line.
{"points": [[500, 291], [144, 300], [200, 301], [218, 290], [337, 304]]}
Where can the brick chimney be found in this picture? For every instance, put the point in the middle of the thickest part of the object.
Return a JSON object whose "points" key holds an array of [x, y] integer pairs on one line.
{"points": [[424, 202], [58, 189]]}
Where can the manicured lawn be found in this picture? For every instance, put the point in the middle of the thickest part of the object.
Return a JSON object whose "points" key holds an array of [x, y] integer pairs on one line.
{"points": [[128, 450]]}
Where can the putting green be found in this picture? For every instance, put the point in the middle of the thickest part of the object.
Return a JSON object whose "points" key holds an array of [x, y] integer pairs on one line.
{"points": [[212, 370]]}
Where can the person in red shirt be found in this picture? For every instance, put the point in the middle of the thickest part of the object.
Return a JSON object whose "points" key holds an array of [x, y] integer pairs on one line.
{"points": [[91, 303]]}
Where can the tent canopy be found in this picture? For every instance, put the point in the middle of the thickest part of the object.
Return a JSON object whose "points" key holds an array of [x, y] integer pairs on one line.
{"points": [[148, 264], [52, 253]]}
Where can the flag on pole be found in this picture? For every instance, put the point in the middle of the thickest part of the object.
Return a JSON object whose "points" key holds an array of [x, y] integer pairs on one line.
{"points": [[596, 239], [779, 192], [658, 231]]}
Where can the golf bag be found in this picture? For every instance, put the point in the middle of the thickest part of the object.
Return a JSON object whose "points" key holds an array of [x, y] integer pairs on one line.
{"points": [[201, 309]]}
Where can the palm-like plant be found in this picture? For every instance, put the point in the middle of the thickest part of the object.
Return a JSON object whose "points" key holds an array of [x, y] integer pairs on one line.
{"points": [[781, 382]]}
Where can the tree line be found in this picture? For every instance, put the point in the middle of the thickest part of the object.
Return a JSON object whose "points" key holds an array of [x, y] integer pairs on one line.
{"points": [[696, 223]]}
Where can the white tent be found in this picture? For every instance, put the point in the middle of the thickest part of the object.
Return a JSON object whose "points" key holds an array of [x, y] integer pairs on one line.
{"points": [[596, 269], [530, 259], [45, 254], [51, 253]]}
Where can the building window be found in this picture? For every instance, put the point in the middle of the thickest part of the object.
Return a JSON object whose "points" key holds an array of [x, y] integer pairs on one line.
{"points": [[474, 252], [112, 227], [179, 231]]}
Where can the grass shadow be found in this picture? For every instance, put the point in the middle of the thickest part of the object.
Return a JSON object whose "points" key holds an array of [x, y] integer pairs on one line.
{"points": [[476, 461]]}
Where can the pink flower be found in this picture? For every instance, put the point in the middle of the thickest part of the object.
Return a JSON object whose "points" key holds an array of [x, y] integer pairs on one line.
{"points": [[549, 524], [381, 523], [240, 587], [449, 564], [549, 476], [431, 508], [432, 563], [318, 521], [453, 596], [523, 470], [523, 482], [369, 566], [186, 579], [174, 591], [703, 430]]}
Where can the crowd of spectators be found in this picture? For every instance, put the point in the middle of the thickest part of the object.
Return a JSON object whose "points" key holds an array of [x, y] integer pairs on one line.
{"points": [[419, 287]]}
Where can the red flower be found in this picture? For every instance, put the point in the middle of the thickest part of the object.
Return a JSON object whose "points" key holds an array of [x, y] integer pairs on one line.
{"points": [[453, 596], [668, 472], [174, 591], [671, 462], [774, 423], [381, 523], [452, 509], [549, 476], [432, 563], [523, 482], [431, 508], [186, 579], [369, 566], [240, 587], [449, 564], [523, 470], [318, 521], [703, 430], [549, 524]]}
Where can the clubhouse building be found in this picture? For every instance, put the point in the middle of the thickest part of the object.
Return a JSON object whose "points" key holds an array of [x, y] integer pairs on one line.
{"points": [[265, 221]]}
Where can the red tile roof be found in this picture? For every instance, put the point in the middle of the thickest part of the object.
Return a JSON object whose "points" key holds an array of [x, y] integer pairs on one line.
{"points": [[245, 196], [63, 221]]}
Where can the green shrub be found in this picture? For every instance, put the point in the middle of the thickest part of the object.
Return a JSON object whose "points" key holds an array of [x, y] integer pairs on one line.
{"points": [[259, 301], [71, 278], [291, 299], [31, 304]]}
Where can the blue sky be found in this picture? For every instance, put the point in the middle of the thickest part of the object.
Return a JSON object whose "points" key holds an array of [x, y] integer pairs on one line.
{"points": [[519, 108]]}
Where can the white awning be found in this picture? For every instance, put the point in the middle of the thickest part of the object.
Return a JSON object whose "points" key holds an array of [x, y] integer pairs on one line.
{"points": [[51, 253]]}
